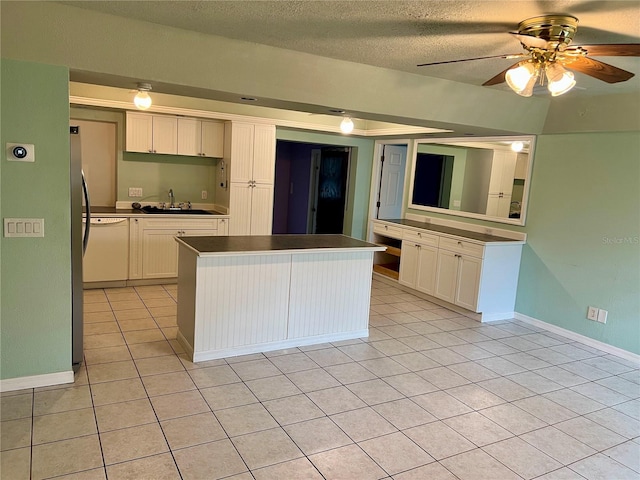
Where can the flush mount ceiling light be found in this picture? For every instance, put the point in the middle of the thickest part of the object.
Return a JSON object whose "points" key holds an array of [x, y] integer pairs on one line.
{"points": [[517, 146], [346, 126], [142, 100]]}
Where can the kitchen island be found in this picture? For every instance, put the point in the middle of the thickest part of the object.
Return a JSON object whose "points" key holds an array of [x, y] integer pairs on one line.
{"points": [[246, 294]]}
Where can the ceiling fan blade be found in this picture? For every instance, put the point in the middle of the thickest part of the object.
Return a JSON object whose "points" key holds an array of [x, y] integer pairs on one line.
{"points": [[610, 50], [512, 55], [499, 78], [597, 69], [530, 41]]}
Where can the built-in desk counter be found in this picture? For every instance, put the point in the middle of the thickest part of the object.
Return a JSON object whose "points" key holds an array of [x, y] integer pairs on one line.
{"points": [[247, 294], [475, 270]]}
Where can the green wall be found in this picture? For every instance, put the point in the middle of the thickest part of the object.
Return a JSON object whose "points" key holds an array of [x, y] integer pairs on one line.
{"points": [[356, 217], [36, 272], [156, 174], [583, 236]]}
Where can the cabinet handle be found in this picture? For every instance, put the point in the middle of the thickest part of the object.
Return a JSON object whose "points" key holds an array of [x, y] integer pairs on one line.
{"points": [[136, 220], [460, 243], [150, 151], [420, 234], [386, 227]]}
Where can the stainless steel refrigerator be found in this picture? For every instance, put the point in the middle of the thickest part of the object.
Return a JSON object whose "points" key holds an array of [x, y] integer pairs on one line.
{"points": [[79, 192]]}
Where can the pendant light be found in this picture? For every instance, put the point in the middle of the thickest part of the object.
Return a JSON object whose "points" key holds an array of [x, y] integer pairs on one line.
{"points": [[346, 126], [142, 100]]}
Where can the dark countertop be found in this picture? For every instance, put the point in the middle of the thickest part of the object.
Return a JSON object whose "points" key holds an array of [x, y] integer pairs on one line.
{"points": [[273, 244], [481, 237], [127, 212]]}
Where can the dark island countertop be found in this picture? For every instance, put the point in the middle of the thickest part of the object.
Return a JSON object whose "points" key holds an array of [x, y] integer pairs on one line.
{"points": [[269, 244], [481, 237]]}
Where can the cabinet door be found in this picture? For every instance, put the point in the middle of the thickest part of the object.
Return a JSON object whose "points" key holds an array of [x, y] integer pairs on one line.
{"points": [[159, 253], [212, 139], [223, 227], [240, 208], [468, 282], [427, 266], [241, 152], [135, 248], [264, 154], [409, 264], [261, 209], [446, 275], [189, 136], [165, 134], [139, 136]]}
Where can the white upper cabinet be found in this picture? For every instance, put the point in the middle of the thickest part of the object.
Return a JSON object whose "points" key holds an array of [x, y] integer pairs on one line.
{"points": [[152, 133], [502, 172], [200, 138], [148, 133], [252, 158]]}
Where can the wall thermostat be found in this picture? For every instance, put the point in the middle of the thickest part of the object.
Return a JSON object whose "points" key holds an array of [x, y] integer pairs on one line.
{"points": [[21, 152]]}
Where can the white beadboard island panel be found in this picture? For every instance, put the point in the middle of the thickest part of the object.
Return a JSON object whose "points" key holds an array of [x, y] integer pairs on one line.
{"points": [[234, 302], [330, 293]]}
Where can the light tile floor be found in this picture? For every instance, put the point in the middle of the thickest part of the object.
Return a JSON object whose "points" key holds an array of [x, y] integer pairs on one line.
{"points": [[429, 395]]}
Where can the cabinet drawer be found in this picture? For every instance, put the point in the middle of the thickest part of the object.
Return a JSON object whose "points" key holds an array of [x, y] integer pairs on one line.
{"points": [[163, 223], [461, 246], [420, 237], [387, 230]]}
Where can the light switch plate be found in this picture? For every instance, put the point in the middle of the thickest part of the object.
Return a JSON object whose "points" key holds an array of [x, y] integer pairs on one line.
{"points": [[24, 227]]}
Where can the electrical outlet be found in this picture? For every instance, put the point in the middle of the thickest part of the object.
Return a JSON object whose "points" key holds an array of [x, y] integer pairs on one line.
{"points": [[592, 314], [135, 192], [602, 316], [205, 194]]}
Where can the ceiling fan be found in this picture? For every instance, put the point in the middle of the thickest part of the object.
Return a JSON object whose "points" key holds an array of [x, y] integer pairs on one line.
{"points": [[550, 55]]}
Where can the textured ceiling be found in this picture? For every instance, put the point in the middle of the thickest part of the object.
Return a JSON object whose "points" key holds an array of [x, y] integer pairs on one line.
{"points": [[399, 34]]}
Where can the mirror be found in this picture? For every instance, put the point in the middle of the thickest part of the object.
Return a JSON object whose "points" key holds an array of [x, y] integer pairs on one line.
{"points": [[485, 178]]}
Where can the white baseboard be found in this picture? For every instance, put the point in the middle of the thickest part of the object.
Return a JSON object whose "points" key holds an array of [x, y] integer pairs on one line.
{"points": [[34, 381], [494, 317], [271, 346], [605, 347]]}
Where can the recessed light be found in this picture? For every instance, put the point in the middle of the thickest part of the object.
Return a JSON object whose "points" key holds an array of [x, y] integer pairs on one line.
{"points": [[334, 110], [249, 99]]}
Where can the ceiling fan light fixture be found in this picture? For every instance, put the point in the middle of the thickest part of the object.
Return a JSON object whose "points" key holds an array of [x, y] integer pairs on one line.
{"points": [[522, 78], [142, 100], [346, 126], [560, 80]]}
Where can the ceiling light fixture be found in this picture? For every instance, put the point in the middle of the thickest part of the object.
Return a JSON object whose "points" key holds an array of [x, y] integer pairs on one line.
{"points": [[522, 78], [142, 100], [517, 146], [560, 80], [346, 126]]}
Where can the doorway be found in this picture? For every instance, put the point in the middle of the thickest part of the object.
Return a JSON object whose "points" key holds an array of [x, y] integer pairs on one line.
{"points": [[311, 188]]}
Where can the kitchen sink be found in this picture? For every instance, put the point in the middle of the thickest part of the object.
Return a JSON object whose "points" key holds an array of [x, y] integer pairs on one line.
{"points": [[165, 211]]}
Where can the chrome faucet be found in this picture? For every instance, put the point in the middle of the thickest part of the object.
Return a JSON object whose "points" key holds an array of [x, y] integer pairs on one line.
{"points": [[172, 199]]}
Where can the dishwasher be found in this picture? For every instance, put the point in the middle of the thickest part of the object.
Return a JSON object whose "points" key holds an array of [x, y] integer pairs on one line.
{"points": [[107, 256]]}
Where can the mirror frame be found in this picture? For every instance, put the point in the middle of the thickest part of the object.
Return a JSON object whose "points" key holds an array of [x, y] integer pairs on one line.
{"points": [[469, 141]]}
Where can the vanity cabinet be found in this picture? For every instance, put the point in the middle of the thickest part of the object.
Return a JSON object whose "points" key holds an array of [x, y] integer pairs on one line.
{"points": [[153, 251], [200, 138], [477, 272], [458, 270], [252, 158], [147, 133], [418, 261]]}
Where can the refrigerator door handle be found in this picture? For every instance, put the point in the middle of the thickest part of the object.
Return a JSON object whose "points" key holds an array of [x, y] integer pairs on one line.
{"points": [[85, 239]]}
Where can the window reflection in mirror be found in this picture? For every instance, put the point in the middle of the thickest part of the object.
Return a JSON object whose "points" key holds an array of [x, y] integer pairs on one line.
{"points": [[480, 178]]}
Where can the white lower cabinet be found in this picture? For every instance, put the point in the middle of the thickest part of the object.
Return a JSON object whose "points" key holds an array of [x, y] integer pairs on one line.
{"points": [[458, 279], [153, 249], [252, 208], [418, 262], [475, 275]]}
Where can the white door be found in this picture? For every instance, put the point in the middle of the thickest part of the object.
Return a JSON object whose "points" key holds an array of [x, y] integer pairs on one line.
{"points": [[409, 263], [468, 282], [428, 264], [240, 201], [446, 276], [392, 181]]}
